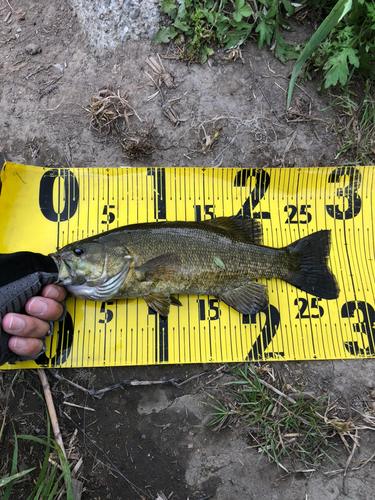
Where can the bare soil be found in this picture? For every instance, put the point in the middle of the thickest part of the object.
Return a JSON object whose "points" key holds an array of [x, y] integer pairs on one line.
{"points": [[138, 441]]}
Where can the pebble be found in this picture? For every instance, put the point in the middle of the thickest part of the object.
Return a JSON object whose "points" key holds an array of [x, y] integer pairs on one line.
{"points": [[33, 49], [134, 14]]}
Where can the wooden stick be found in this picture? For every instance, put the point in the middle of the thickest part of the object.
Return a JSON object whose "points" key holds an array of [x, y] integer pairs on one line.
{"points": [[51, 409]]}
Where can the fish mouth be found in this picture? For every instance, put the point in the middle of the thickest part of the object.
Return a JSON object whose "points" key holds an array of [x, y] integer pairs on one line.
{"points": [[66, 272]]}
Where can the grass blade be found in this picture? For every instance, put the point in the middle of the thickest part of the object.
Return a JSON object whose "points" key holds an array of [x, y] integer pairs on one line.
{"points": [[56, 485], [48, 486], [66, 470], [339, 10], [43, 471], [13, 477], [13, 471]]}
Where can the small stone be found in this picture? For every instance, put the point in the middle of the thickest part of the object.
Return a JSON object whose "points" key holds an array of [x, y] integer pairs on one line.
{"points": [[33, 49], [135, 13]]}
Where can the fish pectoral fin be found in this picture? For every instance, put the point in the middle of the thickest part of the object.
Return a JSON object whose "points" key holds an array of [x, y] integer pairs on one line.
{"points": [[161, 267], [247, 299], [159, 302]]}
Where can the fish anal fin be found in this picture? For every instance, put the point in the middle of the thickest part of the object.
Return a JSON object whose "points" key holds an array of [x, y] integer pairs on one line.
{"points": [[249, 229], [175, 301], [159, 302], [247, 299], [162, 267]]}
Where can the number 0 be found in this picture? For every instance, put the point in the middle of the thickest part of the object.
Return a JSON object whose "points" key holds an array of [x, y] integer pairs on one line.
{"points": [[71, 195]]}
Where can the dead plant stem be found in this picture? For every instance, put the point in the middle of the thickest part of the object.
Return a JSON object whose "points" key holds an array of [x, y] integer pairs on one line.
{"points": [[51, 409]]}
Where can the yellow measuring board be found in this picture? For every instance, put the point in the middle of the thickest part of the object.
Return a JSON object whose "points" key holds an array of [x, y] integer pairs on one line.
{"points": [[45, 208]]}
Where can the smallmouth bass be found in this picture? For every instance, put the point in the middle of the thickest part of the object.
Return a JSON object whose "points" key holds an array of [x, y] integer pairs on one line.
{"points": [[219, 257]]}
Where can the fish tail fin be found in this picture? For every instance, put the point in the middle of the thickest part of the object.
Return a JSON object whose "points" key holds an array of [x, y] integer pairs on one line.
{"points": [[308, 265]]}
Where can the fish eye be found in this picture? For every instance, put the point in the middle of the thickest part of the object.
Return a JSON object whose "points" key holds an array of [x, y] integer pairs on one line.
{"points": [[79, 251]]}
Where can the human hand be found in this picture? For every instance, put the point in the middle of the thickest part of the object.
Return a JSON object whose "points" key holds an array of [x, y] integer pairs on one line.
{"points": [[27, 330]]}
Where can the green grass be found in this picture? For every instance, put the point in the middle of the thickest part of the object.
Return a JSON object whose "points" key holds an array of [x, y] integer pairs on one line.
{"points": [[50, 481], [278, 426], [355, 127]]}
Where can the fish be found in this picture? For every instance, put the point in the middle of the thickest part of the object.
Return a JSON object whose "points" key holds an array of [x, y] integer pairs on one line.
{"points": [[222, 257]]}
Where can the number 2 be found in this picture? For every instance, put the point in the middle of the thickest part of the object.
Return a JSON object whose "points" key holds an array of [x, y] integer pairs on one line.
{"points": [[262, 182]]}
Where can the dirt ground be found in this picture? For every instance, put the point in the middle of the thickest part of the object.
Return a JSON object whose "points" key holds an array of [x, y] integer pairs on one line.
{"points": [[139, 441]]}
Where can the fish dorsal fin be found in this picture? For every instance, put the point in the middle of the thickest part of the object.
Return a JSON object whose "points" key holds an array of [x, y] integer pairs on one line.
{"points": [[247, 299], [159, 302], [162, 267], [246, 230]]}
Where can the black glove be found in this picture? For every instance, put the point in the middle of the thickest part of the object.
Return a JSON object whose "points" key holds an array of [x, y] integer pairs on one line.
{"points": [[22, 276]]}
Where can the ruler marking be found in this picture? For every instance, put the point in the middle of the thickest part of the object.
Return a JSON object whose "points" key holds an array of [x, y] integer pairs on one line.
{"points": [[324, 189], [176, 189], [97, 200], [117, 202], [318, 333], [275, 178], [369, 308], [302, 233], [128, 356]]}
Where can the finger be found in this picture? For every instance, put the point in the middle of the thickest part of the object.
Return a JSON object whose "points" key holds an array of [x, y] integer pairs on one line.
{"points": [[55, 292], [44, 308], [22, 325], [25, 347]]}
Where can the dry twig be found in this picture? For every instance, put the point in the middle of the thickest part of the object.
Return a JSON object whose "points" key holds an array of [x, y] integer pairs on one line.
{"points": [[158, 69], [173, 116], [304, 117], [16, 11], [51, 409]]}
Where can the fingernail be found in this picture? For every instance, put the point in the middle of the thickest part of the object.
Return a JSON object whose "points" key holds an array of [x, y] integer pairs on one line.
{"points": [[19, 343], [52, 293], [37, 306], [16, 324]]}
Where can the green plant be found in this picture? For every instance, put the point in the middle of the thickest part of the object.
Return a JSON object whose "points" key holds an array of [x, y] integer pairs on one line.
{"points": [[195, 25], [355, 127], [277, 424], [48, 481], [9, 481], [344, 42]]}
